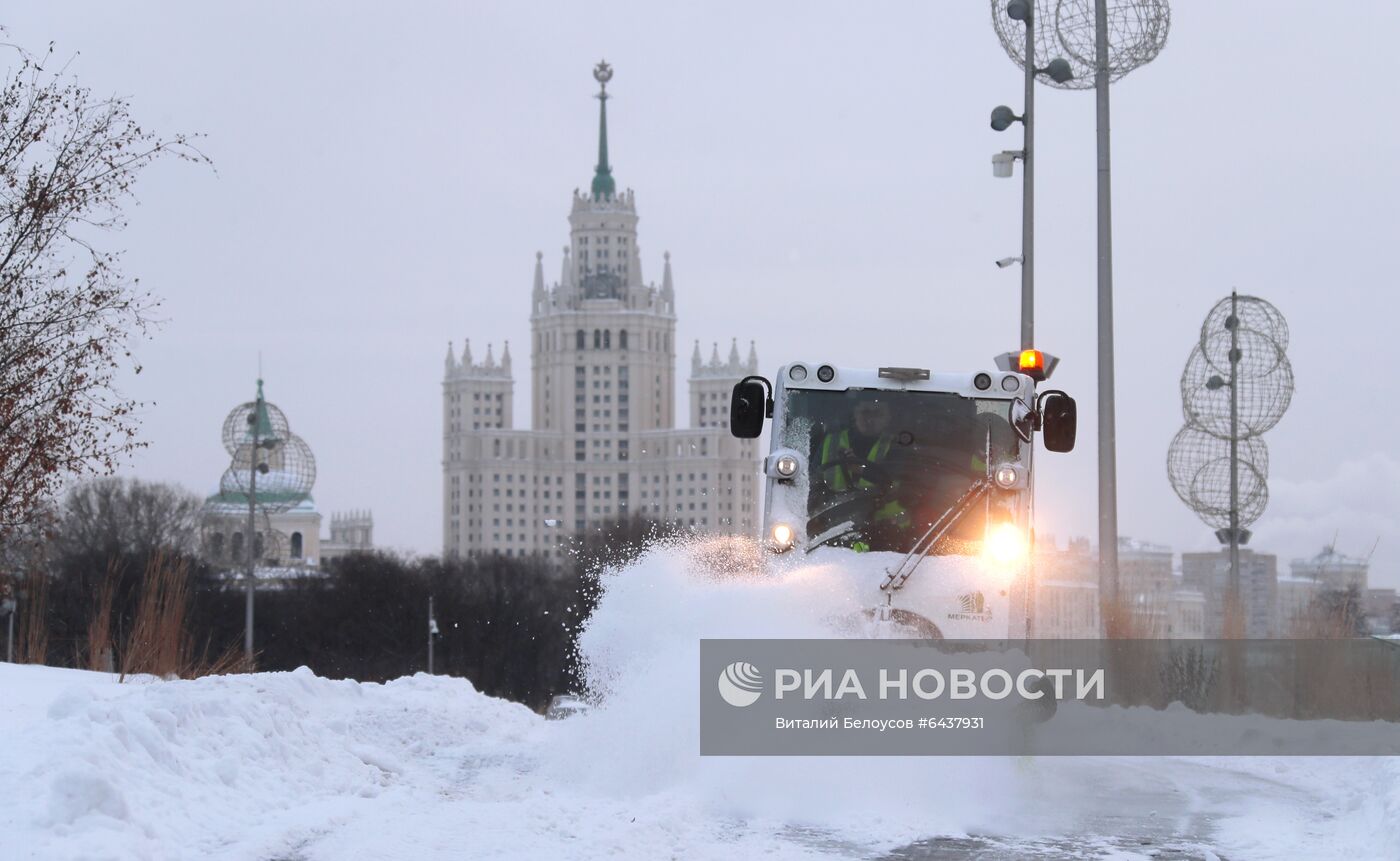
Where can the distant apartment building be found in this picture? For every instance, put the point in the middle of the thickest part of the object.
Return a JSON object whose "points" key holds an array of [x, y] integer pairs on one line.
{"points": [[1332, 571], [1145, 585], [1380, 607], [1296, 597], [1186, 614], [1067, 591], [351, 532], [1209, 574], [1161, 604]]}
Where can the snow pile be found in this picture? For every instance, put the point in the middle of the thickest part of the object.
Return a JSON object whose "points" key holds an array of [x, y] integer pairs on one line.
{"points": [[137, 770], [293, 767]]}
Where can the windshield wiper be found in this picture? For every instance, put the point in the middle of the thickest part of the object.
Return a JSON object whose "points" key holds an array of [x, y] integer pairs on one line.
{"points": [[845, 513], [896, 577], [840, 530]]}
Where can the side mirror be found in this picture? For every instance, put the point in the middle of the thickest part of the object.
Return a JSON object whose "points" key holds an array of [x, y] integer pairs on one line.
{"points": [[749, 406], [1059, 419]]}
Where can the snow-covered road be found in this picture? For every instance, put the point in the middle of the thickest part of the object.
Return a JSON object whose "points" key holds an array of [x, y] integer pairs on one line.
{"points": [[1142, 808]]}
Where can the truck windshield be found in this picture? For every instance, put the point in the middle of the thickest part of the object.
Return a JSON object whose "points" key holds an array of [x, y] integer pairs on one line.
{"points": [[885, 464]]}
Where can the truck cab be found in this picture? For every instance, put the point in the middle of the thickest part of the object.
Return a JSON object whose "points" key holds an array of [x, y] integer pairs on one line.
{"points": [[917, 486]]}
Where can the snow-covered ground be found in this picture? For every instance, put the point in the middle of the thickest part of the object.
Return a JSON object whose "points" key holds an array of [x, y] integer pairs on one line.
{"points": [[291, 766]]}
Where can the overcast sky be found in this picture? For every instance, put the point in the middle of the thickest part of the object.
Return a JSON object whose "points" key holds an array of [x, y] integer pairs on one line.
{"points": [[386, 173]]}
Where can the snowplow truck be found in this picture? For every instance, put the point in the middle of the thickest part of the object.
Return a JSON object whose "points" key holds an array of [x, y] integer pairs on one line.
{"points": [[916, 486]]}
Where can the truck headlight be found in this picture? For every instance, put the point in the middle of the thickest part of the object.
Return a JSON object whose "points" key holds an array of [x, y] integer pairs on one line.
{"points": [[1005, 544], [783, 537], [783, 464], [1006, 476]]}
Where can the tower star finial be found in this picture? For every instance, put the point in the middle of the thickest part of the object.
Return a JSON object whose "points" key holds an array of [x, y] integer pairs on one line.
{"points": [[603, 184]]}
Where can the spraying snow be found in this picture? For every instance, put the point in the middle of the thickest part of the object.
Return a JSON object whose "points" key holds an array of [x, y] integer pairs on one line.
{"points": [[639, 653]]}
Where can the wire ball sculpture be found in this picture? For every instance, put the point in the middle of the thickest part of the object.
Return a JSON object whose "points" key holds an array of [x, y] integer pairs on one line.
{"points": [[270, 466], [1198, 465], [1137, 32], [1263, 383], [1236, 385], [286, 472], [238, 425], [1254, 314]]}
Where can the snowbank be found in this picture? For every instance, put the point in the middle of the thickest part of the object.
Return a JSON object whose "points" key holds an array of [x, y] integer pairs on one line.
{"points": [[218, 767], [293, 766]]}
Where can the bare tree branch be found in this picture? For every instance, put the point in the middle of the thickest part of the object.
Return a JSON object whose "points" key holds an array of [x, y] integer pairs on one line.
{"points": [[68, 316]]}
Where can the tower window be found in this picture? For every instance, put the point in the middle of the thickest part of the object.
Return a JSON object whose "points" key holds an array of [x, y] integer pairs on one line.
{"points": [[622, 339], [597, 339], [579, 338], [607, 339]]}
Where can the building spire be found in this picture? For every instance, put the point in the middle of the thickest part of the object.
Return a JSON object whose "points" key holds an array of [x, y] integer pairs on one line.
{"points": [[261, 426], [539, 275], [667, 287], [603, 185]]}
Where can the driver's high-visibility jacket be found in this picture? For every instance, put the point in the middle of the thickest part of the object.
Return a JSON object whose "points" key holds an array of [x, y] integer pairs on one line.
{"points": [[834, 464], [838, 477]]}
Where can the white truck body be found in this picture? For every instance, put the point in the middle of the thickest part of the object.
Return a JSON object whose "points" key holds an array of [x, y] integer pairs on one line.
{"points": [[934, 436]]}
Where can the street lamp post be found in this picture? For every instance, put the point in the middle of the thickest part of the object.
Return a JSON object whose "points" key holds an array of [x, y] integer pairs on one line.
{"points": [[1108, 432], [1105, 40], [432, 632], [254, 463], [1027, 182], [261, 445], [8, 608], [1058, 71]]}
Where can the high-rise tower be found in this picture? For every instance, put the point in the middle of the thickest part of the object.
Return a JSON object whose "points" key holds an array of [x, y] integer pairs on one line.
{"points": [[603, 444]]}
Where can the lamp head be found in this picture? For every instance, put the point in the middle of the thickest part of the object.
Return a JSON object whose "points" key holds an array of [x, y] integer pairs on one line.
{"points": [[1002, 118], [1059, 71]]}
